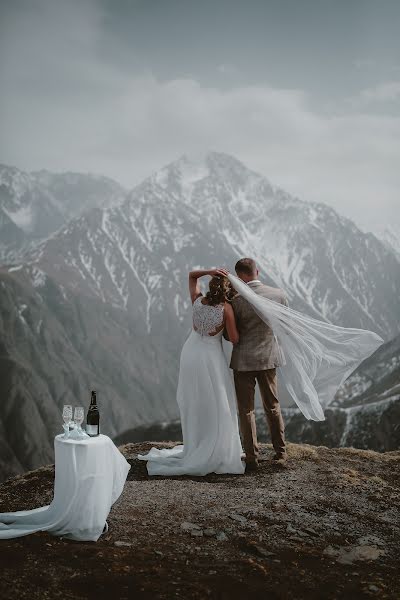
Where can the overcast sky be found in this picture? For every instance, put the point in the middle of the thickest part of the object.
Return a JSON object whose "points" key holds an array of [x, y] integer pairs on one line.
{"points": [[306, 92]]}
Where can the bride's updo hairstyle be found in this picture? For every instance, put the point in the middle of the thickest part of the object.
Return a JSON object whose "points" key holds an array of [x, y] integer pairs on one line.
{"points": [[220, 290]]}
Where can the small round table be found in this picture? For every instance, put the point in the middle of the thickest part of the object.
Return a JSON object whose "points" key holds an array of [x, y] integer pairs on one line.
{"points": [[89, 477]]}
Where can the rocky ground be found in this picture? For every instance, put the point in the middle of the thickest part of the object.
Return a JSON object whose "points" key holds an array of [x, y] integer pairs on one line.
{"points": [[326, 526]]}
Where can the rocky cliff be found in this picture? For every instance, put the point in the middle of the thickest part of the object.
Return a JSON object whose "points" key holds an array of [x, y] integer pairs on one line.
{"points": [[325, 527]]}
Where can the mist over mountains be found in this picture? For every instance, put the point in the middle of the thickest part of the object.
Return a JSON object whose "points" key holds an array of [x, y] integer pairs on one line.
{"points": [[94, 285]]}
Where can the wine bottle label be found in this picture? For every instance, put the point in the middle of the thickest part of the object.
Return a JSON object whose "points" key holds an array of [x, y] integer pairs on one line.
{"points": [[92, 429]]}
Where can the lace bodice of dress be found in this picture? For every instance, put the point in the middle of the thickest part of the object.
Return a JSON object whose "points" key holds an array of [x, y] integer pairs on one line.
{"points": [[207, 318]]}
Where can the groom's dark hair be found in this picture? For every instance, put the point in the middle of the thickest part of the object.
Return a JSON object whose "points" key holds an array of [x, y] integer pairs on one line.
{"points": [[247, 266]]}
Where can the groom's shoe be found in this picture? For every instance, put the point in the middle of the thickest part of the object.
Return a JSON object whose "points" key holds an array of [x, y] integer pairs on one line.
{"points": [[282, 457], [251, 466], [280, 460]]}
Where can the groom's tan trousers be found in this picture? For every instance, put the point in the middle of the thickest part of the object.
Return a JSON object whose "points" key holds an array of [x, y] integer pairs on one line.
{"points": [[245, 383]]}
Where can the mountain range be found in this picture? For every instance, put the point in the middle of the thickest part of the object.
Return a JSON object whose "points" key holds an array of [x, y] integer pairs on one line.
{"points": [[34, 205], [94, 296]]}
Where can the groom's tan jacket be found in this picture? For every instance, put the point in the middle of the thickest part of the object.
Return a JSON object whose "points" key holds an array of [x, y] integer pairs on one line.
{"points": [[257, 348]]}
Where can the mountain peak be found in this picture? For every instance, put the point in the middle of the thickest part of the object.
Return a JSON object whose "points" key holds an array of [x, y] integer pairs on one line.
{"points": [[192, 167], [210, 157], [217, 163]]}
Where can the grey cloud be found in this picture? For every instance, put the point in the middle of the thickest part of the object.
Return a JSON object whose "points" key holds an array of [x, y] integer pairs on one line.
{"points": [[68, 104]]}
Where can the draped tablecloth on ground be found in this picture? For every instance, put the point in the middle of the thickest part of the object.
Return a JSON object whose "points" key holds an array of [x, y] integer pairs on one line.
{"points": [[89, 477]]}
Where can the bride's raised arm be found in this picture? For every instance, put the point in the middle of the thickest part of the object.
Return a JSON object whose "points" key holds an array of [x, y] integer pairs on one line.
{"points": [[194, 288]]}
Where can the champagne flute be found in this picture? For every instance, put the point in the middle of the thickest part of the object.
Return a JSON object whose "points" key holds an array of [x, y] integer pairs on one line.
{"points": [[79, 414], [67, 417], [67, 413]]}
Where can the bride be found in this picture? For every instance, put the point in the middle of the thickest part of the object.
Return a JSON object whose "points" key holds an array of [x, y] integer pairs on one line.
{"points": [[205, 394]]}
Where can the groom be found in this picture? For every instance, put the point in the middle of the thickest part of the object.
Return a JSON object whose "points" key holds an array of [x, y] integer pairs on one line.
{"points": [[255, 358]]}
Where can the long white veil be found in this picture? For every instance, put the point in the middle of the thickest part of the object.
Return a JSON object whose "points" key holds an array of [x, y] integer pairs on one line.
{"points": [[316, 356]]}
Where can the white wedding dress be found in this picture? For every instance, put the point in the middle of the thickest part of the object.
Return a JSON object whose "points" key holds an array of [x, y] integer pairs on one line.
{"points": [[207, 403]]}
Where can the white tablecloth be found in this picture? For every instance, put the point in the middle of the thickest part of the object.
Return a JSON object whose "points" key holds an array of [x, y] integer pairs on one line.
{"points": [[89, 477]]}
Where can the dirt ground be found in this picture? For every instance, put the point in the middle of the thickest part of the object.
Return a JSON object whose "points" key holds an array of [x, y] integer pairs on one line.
{"points": [[326, 526]]}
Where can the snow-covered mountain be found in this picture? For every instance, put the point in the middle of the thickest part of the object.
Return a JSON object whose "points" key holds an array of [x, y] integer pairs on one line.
{"points": [[390, 236], [102, 303], [34, 205], [214, 211]]}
